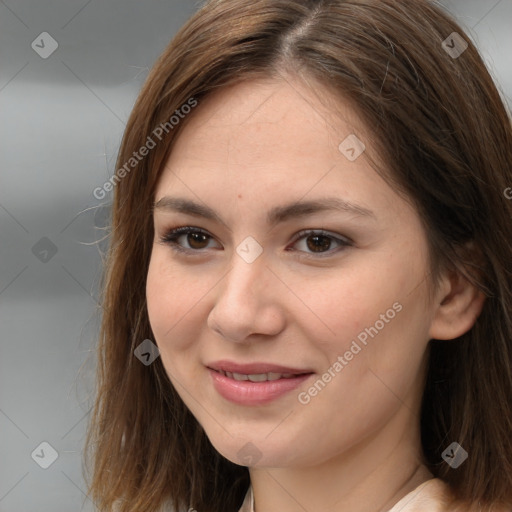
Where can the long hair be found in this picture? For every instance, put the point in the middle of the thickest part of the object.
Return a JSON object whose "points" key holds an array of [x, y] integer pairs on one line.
{"points": [[442, 128]]}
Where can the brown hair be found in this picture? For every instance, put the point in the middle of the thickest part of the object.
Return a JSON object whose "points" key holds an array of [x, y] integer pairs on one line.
{"points": [[442, 129]]}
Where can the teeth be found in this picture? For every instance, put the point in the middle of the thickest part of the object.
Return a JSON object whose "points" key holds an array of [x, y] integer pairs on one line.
{"points": [[260, 377], [257, 377]]}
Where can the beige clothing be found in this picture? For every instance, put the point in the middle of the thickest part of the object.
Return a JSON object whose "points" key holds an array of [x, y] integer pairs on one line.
{"points": [[431, 496]]}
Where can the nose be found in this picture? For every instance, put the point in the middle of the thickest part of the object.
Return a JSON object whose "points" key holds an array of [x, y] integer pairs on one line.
{"points": [[247, 302]]}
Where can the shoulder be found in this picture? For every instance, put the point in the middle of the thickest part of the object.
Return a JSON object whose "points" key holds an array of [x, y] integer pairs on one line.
{"points": [[434, 495]]}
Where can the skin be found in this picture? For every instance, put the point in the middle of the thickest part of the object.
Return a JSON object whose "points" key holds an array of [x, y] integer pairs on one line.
{"points": [[355, 446]]}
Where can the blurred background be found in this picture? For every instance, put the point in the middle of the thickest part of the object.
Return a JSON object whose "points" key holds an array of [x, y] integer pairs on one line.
{"points": [[70, 72]]}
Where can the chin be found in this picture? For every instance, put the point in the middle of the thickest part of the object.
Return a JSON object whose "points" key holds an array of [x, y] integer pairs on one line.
{"points": [[257, 452]]}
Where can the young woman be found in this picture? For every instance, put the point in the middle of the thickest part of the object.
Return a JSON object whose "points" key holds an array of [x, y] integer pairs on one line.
{"points": [[307, 299]]}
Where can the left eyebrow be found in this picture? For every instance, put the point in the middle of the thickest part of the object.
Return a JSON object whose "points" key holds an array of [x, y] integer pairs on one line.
{"points": [[304, 208], [275, 216]]}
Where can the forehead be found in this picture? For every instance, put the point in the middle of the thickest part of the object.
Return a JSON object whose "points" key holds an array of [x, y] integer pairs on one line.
{"points": [[270, 112], [271, 141], [281, 122]]}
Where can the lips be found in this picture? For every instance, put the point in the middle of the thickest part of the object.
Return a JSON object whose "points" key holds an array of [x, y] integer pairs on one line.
{"points": [[256, 383]]}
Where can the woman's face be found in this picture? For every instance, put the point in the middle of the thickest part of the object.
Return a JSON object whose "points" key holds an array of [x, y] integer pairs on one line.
{"points": [[302, 260]]}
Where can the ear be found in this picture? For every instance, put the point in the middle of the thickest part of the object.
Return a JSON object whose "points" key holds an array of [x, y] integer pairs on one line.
{"points": [[458, 305]]}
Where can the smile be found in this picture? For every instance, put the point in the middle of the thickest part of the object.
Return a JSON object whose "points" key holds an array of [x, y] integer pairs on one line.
{"points": [[252, 389]]}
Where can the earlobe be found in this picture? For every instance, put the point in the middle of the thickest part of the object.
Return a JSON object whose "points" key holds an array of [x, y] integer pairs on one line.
{"points": [[457, 308]]}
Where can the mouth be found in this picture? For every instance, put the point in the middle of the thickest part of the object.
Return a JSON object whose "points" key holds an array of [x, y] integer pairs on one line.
{"points": [[256, 383]]}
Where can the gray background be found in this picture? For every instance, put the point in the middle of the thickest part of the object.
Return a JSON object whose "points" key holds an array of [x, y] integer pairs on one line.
{"points": [[61, 123]]}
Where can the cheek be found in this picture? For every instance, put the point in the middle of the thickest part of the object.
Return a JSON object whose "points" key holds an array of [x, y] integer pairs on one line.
{"points": [[342, 303], [172, 302], [371, 312]]}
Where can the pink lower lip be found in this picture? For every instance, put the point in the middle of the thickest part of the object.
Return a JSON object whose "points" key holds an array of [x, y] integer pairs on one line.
{"points": [[254, 393]]}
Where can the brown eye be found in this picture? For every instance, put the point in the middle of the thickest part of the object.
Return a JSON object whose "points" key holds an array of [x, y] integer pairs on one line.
{"points": [[197, 240], [187, 238], [318, 243]]}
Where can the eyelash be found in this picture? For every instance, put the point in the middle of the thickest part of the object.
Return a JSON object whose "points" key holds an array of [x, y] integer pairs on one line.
{"points": [[171, 236]]}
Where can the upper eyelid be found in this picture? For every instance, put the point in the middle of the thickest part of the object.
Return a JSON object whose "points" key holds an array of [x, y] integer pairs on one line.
{"points": [[319, 231], [299, 234]]}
